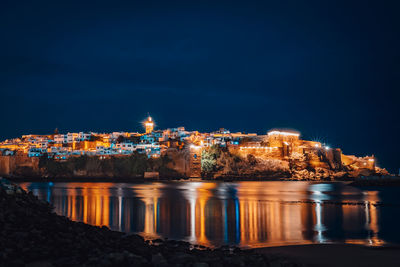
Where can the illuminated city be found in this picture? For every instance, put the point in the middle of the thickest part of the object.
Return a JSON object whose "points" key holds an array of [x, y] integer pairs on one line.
{"points": [[278, 148]]}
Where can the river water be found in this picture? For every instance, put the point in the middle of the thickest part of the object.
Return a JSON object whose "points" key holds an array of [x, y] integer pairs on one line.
{"points": [[247, 214]]}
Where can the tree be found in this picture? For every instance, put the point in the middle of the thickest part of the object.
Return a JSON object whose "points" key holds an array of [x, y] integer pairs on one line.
{"points": [[56, 168], [78, 163], [93, 165], [134, 139], [209, 160], [120, 139], [95, 138], [251, 159], [43, 160]]}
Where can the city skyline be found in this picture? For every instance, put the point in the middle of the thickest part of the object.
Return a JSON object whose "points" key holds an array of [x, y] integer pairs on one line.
{"points": [[149, 141], [182, 153]]}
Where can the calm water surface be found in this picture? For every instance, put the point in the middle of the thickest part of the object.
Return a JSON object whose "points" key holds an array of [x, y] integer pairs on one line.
{"points": [[248, 214]]}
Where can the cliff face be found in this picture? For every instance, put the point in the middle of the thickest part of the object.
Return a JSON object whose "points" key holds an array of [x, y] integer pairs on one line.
{"points": [[133, 166], [259, 162], [210, 162]]}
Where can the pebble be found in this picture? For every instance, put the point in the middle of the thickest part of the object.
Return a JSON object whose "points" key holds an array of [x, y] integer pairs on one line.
{"points": [[200, 264]]}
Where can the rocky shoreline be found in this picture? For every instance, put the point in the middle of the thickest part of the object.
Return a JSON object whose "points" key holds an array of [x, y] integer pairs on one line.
{"points": [[18, 179], [365, 181], [31, 234], [376, 181]]}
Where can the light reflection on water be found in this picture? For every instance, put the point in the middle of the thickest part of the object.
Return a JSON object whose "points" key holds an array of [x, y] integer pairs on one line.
{"points": [[212, 213]]}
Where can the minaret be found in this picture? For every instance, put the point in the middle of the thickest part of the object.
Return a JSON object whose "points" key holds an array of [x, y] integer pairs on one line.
{"points": [[149, 125]]}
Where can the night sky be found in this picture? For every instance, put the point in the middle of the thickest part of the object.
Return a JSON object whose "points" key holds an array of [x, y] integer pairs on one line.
{"points": [[330, 69]]}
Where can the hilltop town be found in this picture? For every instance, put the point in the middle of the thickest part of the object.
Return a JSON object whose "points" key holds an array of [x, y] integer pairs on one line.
{"points": [[178, 153]]}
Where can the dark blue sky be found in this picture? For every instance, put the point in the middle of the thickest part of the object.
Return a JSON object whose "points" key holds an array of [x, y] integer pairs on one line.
{"points": [[330, 69]]}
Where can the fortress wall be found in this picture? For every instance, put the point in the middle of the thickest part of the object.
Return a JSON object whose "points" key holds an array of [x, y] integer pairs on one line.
{"points": [[348, 160], [9, 164], [337, 157], [195, 162], [276, 140], [361, 163], [5, 165], [179, 161], [334, 156], [316, 162], [275, 153]]}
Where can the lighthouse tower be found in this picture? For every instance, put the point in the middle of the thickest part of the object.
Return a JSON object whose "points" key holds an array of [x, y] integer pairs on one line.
{"points": [[149, 125]]}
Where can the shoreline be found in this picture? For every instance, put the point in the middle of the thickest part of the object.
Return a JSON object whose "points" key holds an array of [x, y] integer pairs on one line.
{"points": [[385, 181], [358, 182], [143, 180]]}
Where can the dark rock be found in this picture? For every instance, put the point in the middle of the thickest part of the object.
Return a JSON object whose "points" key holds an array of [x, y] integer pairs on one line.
{"points": [[39, 264], [200, 264], [17, 263], [137, 260], [158, 260], [182, 258], [105, 263], [116, 258]]}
